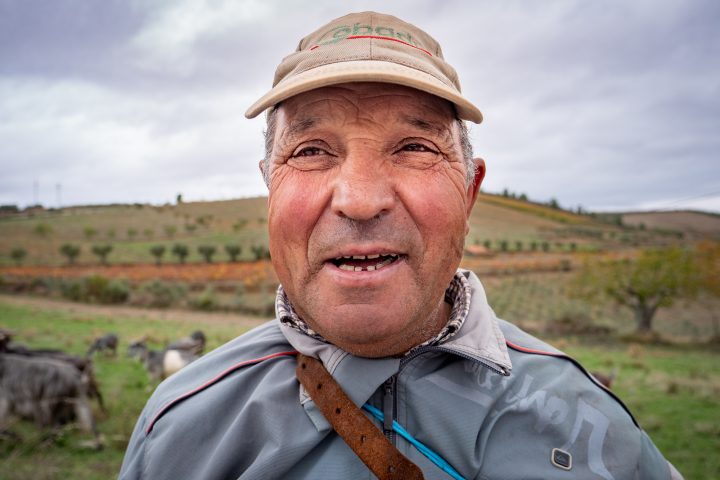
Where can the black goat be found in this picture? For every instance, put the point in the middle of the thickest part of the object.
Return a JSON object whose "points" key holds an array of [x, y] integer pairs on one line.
{"points": [[195, 343], [107, 343], [160, 364], [82, 365], [48, 391]]}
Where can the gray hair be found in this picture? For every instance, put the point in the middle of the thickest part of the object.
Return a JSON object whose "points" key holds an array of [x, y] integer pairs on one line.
{"points": [[269, 133]]}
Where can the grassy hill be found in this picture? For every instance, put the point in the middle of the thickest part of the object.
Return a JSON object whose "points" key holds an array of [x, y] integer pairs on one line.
{"points": [[503, 223], [701, 223]]}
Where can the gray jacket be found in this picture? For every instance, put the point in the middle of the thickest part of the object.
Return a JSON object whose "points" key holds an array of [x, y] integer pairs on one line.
{"points": [[493, 401]]}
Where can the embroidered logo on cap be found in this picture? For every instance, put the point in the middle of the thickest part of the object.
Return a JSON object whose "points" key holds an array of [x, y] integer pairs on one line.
{"points": [[346, 32]]}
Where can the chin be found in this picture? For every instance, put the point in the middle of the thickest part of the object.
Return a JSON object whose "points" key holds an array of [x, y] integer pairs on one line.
{"points": [[369, 332]]}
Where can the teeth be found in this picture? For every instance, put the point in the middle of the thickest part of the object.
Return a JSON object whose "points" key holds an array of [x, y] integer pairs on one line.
{"points": [[389, 258]]}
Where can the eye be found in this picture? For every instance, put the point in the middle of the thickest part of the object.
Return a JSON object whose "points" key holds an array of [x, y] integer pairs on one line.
{"points": [[309, 152], [417, 147]]}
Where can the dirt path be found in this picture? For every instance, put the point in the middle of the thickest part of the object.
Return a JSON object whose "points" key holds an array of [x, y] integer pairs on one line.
{"points": [[217, 318]]}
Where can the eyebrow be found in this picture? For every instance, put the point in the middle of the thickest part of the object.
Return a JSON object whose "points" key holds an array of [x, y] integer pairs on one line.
{"points": [[423, 125], [441, 131], [300, 126]]}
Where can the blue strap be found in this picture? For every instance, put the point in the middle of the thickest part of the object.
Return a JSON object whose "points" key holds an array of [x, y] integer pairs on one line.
{"points": [[421, 447]]}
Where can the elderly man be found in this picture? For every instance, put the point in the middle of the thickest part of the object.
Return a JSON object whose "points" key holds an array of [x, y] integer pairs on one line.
{"points": [[385, 359]]}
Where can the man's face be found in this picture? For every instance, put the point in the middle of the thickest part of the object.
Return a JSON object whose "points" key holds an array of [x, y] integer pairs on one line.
{"points": [[368, 211]]}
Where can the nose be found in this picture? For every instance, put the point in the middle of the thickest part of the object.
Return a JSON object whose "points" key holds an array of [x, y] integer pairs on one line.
{"points": [[363, 189]]}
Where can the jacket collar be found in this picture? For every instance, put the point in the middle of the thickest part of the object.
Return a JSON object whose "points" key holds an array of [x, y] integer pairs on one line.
{"points": [[479, 339]]}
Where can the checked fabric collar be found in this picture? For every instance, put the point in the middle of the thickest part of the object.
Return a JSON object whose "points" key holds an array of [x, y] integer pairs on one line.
{"points": [[457, 294]]}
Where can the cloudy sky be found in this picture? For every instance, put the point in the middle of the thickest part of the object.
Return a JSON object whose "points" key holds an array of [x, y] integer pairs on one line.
{"points": [[609, 104]]}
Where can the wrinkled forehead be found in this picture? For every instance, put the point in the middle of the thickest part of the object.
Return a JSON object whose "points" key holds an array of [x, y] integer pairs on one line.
{"points": [[379, 102]]}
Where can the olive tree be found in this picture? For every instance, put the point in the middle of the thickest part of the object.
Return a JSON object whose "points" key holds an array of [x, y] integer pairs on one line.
{"points": [[233, 251], [102, 251], [70, 251], [18, 254], [157, 251], [207, 252], [653, 280], [180, 251]]}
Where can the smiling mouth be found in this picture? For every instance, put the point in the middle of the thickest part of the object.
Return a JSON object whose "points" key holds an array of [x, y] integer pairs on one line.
{"points": [[365, 263]]}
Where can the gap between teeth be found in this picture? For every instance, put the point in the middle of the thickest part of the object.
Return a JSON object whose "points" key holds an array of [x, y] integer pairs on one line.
{"points": [[368, 257], [370, 268]]}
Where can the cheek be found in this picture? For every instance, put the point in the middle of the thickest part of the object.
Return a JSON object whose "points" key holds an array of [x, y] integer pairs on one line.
{"points": [[439, 210], [294, 205]]}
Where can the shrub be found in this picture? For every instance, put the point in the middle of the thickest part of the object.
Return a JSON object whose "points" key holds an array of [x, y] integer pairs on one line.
{"points": [[18, 254], [239, 298], [170, 230], [43, 285], [95, 289], [239, 225], [131, 233], [72, 289], [158, 294], [206, 300], [576, 324], [89, 232], [42, 230], [148, 232], [102, 290]]}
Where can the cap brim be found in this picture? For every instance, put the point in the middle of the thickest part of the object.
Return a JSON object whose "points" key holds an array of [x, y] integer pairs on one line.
{"points": [[364, 71]]}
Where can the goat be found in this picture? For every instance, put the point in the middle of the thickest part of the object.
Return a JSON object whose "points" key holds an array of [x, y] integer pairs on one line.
{"points": [[160, 364], [195, 343], [48, 391], [107, 343], [605, 379], [82, 365]]}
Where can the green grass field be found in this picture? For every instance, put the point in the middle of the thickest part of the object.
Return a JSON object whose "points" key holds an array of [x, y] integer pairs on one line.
{"points": [[673, 391]]}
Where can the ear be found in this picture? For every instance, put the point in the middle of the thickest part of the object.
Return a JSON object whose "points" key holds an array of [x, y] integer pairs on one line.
{"points": [[474, 187]]}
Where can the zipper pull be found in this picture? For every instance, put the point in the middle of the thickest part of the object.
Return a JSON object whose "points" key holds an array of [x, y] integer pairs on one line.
{"points": [[389, 403]]}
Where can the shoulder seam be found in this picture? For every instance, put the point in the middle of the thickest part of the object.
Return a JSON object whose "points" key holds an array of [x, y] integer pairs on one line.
{"points": [[564, 356], [212, 381]]}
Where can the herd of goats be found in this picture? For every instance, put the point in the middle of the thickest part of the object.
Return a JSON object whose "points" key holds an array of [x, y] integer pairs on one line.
{"points": [[52, 387]]}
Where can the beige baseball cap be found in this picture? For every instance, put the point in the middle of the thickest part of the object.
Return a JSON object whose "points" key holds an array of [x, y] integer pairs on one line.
{"points": [[367, 47]]}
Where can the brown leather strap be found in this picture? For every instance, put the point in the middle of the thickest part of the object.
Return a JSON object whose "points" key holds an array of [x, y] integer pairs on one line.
{"points": [[368, 443]]}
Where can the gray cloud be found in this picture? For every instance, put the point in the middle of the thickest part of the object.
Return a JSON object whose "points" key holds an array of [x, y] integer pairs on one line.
{"points": [[606, 104]]}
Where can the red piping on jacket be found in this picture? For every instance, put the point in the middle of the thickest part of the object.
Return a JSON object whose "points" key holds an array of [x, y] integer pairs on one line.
{"points": [[212, 381]]}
